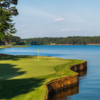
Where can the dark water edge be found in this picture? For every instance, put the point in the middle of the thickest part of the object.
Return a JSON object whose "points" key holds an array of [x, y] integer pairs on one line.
{"points": [[64, 93]]}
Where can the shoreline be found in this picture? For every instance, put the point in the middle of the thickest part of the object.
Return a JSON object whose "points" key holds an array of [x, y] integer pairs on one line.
{"points": [[1, 47], [65, 82], [67, 44], [76, 44]]}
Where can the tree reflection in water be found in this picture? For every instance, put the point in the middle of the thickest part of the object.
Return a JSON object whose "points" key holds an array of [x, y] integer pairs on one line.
{"points": [[63, 94]]}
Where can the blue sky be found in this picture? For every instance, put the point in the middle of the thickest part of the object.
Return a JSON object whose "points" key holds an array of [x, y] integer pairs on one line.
{"points": [[57, 18]]}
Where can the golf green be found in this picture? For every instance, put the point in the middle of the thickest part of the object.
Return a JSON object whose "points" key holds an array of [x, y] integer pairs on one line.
{"points": [[25, 77]]}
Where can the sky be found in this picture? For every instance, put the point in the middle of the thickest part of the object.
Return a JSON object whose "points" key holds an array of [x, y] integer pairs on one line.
{"points": [[57, 18]]}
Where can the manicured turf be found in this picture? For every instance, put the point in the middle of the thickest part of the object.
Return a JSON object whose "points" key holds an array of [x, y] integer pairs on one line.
{"points": [[1, 47], [25, 78]]}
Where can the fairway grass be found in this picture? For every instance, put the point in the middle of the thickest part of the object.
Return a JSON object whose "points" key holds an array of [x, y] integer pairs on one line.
{"points": [[1, 47], [25, 78]]}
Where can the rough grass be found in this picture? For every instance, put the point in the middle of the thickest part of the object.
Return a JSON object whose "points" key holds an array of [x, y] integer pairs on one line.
{"points": [[25, 78]]}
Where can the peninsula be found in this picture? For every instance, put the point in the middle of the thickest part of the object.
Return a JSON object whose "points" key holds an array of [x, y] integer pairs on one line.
{"points": [[24, 77]]}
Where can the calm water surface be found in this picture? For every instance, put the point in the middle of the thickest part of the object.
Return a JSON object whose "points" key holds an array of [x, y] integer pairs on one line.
{"points": [[89, 83]]}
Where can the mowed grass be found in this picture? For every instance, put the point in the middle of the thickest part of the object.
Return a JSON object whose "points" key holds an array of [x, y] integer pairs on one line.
{"points": [[25, 78], [1, 47]]}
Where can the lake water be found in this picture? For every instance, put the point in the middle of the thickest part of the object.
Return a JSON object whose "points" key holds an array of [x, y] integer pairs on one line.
{"points": [[89, 83]]}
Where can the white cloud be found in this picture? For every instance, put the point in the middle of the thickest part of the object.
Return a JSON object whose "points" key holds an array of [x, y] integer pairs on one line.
{"points": [[22, 25], [24, 31], [77, 29], [66, 29], [59, 19]]}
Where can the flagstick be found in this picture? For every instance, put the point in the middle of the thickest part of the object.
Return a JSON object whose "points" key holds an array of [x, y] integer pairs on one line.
{"points": [[38, 56]]}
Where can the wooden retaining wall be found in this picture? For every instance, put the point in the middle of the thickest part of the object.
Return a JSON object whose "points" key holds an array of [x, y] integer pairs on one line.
{"points": [[62, 94], [65, 82]]}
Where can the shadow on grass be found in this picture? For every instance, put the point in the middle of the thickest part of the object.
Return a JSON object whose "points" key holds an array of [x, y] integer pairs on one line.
{"points": [[8, 71], [12, 57], [13, 88]]}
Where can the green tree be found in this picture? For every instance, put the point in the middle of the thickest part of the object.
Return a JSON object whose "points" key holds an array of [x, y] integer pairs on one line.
{"points": [[8, 5], [6, 12]]}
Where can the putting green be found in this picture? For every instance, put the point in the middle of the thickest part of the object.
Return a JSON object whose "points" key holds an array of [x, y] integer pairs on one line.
{"points": [[25, 78]]}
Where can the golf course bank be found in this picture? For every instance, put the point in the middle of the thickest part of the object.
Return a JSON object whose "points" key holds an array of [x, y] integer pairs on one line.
{"points": [[65, 82], [26, 77]]}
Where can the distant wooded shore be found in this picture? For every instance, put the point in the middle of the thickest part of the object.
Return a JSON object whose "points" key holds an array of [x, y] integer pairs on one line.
{"points": [[75, 40], [74, 44]]}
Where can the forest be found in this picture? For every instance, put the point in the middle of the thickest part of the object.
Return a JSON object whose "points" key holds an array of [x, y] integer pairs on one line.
{"points": [[75, 40], [11, 40]]}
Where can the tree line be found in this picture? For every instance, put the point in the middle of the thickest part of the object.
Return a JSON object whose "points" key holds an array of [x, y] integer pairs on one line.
{"points": [[80, 40], [75, 40], [11, 40]]}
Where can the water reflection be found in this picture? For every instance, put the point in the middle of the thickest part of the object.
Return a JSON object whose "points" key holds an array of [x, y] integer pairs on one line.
{"points": [[63, 94], [83, 73]]}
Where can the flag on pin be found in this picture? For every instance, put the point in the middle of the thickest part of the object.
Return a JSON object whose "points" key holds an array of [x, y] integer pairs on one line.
{"points": [[38, 54]]}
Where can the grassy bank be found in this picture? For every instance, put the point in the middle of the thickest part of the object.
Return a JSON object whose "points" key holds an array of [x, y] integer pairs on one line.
{"points": [[25, 78], [1, 47]]}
